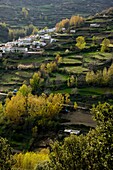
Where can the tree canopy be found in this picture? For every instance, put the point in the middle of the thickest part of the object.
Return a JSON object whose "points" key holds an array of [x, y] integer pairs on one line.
{"points": [[80, 42], [91, 152], [67, 23], [6, 160], [105, 45]]}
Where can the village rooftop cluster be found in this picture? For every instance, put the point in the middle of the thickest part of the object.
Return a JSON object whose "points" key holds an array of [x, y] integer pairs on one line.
{"points": [[33, 43]]}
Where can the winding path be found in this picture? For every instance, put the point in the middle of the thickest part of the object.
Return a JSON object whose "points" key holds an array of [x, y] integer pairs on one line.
{"points": [[3, 94]]}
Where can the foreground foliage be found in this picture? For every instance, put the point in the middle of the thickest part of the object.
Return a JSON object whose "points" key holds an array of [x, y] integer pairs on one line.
{"points": [[91, 152], [29, 160], [24, 116], [6, 160]]}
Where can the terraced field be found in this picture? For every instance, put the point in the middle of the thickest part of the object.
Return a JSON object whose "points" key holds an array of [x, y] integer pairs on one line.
{"points": [[74, 65], [48, 12], [74, 62]]}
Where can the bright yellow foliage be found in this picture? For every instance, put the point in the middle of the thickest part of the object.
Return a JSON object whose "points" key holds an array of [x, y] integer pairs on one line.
{"points": [[16, 107], [29, 160], [105, 45], [45, 106], [75, 105], [80, 42], [36, 105]]}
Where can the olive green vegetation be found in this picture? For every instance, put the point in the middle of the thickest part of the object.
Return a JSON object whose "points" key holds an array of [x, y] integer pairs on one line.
{"points": [[38, 112], [89, 152], [6, 158], [9, 33], [18, 15], [32, 116]]}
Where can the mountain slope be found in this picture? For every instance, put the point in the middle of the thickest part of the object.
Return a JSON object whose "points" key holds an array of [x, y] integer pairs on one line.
{"points": [[48, 12]]}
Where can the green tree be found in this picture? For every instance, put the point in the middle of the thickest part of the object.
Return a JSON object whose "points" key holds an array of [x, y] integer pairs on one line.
{"points": [[25, 90], [106, 77], [43, 166], [36, 82], [6, 160], [69, 155], [98, 77], [99, 152], [71, 81], [90, 77], [94, 38], [80, 42], [110, 71], [91, 152]]}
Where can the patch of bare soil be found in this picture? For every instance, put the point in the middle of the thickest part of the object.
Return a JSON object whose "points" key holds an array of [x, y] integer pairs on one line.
{"points": [[79, 117]]}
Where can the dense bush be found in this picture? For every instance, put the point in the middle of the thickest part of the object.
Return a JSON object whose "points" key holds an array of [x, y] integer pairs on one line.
{"points": [[91, 152]]}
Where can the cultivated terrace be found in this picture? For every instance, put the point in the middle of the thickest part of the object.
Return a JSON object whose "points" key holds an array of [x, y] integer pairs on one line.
{"points": [[49, 82]]}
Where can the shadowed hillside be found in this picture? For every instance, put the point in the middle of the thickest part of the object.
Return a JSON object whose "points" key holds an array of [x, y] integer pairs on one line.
{"points": [[47, 12]]}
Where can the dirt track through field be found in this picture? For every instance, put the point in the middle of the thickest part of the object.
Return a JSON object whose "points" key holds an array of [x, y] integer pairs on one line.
{"points": [[79, 117]]}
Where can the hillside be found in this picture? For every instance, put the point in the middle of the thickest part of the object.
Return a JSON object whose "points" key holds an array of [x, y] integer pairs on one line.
{"points": [[51, 80], [47, 12], [74, 62]]}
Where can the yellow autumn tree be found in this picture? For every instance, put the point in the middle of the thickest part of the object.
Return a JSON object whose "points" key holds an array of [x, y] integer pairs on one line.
{"points": [[80, 42], [110, 71], [15, 107], [43, 68], [90, 77], [62, 24], [105, 45], [66, 23], [76, 20], [29, 160], [1, 108], [75, 105], [1, 112], [36, 105], [45, 106], [58, 59], [105, 75], [52, 66], [71, 81], [54, 104]]}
